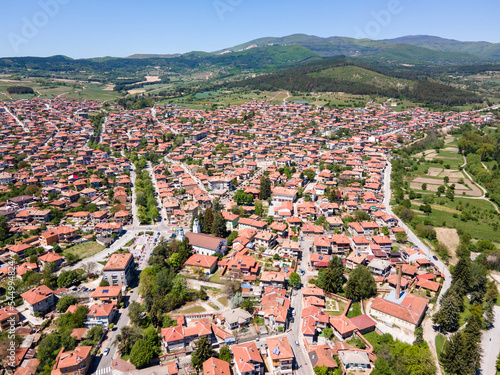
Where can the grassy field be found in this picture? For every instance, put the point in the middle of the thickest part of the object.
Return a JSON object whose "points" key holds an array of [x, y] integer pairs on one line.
{"points": [[440, 339], [223, 301], [446, 213], [69, 90], [213, 306], [466, 313], [372, 337], [192, 310], [354, 310], [215, 278], [85, 250]]}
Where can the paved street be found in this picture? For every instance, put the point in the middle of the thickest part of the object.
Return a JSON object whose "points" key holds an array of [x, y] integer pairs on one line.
{"points": [[490, 342], [411, 236]]}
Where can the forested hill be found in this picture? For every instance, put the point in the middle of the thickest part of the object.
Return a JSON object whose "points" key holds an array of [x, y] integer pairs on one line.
{"points": [[345, 75]]}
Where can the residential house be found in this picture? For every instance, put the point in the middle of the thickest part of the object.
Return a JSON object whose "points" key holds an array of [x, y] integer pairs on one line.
{"points": [[119, 269], [74, 362], [107, 294], [207, 263], [39, 299], [280, 354], [247, 359]]}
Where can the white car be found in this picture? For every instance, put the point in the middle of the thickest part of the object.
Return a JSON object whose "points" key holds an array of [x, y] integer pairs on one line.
{"points": [[106, 351]]}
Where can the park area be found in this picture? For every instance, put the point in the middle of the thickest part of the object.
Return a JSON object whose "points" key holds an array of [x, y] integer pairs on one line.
{"points": [[84, 250]]}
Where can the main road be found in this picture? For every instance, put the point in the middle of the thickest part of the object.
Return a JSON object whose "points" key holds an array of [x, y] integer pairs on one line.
{"points": [[411, 236]]}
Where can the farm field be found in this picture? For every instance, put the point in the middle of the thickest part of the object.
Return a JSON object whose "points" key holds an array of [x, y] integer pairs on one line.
{"points": [[466, 212]]}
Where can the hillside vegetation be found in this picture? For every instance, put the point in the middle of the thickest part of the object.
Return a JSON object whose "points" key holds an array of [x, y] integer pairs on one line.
{"points": [[350, 77]]}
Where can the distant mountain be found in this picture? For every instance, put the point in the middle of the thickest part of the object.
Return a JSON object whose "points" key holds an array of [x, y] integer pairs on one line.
{"points": [[152, 55], [482, 49], [405, 49]]}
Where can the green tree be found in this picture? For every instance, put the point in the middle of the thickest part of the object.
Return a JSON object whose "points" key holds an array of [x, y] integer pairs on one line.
{"points": [[258, 208], [401, 237], [382, 367], [360, 215], [64, 303], [449, 315], [462, 272], [208, 219], [247, 304], [104, 282], [141, 354], [243, 198], [67, 278], [332, 278], [126, 339], [294, 280], [225, 354], [232, 237], [134, 312], [310, 174], [328, 332], [361, 284], [219, 228], [265, 188], [47, 350], [203, 352]]}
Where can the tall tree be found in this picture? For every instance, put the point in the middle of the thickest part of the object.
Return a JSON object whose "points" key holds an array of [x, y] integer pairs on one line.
{"points": [[265, 188], [332, 278], [462, 272], [208, 219], [141, 354], [203, 352], [219, 227], [361, 284], [449, 315]]}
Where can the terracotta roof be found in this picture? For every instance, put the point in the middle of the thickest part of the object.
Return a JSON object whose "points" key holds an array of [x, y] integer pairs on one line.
{"points": [[215, 366], [117, 262], [37, 294]]}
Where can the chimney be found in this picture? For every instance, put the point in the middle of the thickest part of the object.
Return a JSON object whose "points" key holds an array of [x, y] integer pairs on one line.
{"points": [[398, 285]]}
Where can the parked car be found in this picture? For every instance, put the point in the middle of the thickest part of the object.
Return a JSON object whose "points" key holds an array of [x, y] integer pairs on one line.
{"points": [[106, 351], [296, 342]]}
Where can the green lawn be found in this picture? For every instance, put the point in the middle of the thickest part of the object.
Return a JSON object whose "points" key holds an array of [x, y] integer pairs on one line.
{"points": [[85, 250], [192, 310], [354, 310], [215, 278], [466, 313], [223, 300], [372, 337], [213, 306], [440, 339]]}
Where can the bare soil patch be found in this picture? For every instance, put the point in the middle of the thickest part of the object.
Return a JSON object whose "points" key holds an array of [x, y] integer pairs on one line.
{"points": [[449, 237], [434, 172]]}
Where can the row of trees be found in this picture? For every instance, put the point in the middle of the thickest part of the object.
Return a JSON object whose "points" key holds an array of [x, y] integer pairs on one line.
{"points": [[145, 199], [462, 352], [163, 289], [212, 222], [360, 285]]}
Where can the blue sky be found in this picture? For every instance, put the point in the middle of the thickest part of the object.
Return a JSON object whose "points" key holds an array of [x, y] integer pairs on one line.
{"points": [[90, 28]]}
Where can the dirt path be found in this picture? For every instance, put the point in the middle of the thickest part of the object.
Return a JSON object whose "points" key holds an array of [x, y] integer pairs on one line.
{"points": [[430, 337], [483, 197]]}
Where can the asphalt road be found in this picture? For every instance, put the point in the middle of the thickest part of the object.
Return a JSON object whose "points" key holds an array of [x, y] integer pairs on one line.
{"points": [[411, 236], [490, 342]]}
